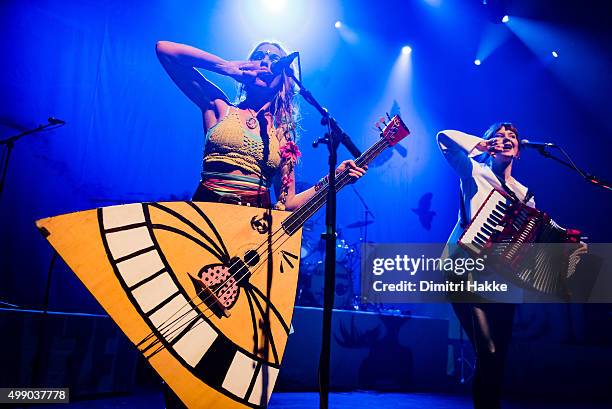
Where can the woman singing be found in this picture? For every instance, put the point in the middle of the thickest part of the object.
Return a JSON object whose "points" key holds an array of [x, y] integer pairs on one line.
{"points": [[484, 164], [250, 144]]}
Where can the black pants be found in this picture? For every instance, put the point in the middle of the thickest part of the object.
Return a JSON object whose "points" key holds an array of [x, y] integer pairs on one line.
{"points": [[489, 328]]}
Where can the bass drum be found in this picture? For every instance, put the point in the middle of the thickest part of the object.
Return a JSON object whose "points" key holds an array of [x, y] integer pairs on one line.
{"points": [[344, 287]]}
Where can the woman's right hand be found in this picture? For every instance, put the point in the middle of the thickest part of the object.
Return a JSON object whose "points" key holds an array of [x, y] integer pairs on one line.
{"points": [[246, 71], [491, 146]]}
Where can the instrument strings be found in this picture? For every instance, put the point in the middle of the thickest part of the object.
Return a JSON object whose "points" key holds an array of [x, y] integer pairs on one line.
{"points": [[314, 203], [169, 326]]}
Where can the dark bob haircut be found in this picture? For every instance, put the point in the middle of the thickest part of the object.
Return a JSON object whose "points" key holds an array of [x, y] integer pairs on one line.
{"points": [[490, 133]]}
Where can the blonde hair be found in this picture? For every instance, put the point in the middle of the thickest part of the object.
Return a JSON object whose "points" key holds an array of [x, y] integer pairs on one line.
{"points": [[284, 108]]}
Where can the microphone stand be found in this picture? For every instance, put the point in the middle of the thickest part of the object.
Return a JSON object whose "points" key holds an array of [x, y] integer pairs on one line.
{"points": [[10, 144], [364, 245], [366, 212], [332, 138], [570, 164]]}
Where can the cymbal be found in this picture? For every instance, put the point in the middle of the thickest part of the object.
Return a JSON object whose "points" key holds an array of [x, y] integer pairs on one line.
{"points": [[356, 225]]}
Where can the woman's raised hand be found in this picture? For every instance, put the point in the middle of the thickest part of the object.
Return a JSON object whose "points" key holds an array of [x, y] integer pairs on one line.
{"points": [[491, 146], [247, 71]]}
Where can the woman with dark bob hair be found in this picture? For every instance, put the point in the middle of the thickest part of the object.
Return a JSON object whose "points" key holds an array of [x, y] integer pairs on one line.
{"points": [[484, 164]]}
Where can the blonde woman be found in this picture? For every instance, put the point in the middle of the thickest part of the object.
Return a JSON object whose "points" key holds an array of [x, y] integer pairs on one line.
{"points": [[250, 144]]}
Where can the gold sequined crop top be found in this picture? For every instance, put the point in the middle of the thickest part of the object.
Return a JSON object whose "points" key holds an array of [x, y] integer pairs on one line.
{"points": [[231, 142]]}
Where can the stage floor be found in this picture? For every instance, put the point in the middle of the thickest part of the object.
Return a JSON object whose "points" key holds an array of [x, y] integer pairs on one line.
{"points": [[310, 400]]}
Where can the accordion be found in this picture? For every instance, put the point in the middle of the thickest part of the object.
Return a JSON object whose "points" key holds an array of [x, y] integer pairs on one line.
{"points": [[523, 243]]}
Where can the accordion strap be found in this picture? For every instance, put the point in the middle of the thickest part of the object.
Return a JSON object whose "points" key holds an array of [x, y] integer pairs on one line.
{"points": [[464, 220], [507, 189], [528, 196]]}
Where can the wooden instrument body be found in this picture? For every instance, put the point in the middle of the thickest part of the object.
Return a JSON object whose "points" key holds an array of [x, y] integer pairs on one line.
{"points": [[156, 267], [139, 261]]}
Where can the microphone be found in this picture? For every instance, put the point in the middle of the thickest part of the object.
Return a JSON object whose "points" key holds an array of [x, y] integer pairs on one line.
{"points": [[55, 121], [284, 63], [526, 143]]}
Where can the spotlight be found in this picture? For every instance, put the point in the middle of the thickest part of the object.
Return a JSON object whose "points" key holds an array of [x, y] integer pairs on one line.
{"points": [[406, 50], [496, 10], [338, 24], [275, 6], [477, 62], [555, 54], [505, 18]]}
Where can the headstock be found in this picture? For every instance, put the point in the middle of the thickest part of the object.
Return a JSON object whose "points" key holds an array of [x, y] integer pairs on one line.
{"points": [[394, 131]]}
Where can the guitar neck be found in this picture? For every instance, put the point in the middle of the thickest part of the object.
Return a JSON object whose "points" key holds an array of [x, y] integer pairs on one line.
{"points": [[294, 222]]}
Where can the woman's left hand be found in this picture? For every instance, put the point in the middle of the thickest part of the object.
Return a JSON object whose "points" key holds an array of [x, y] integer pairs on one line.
{"points": [[354, 171]]}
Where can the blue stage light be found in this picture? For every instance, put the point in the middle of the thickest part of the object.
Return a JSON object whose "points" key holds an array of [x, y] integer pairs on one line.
{"points": [[505, 18], [477, 62], [406, 50], [338, 24], [555, 54]]}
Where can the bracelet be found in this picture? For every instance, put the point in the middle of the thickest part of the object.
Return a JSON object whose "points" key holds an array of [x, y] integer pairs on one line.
{"points": [[321, 183]]}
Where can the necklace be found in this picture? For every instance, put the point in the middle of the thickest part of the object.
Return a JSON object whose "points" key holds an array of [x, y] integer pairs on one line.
{"points": [[252, 122]]}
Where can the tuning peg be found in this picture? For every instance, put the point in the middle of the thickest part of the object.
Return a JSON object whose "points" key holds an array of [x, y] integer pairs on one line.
{"points": [[388, 117], [377, 125]]}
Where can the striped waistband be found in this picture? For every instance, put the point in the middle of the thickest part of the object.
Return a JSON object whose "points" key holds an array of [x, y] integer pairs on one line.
{"points": [[232, 183]]}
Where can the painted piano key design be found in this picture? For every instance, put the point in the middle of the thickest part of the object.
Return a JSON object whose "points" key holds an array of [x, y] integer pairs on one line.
{"points": [[150, 265], [176, 322]]}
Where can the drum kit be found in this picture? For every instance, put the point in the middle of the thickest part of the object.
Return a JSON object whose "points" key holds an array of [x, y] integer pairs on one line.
{"points": [[312, 267], [312, 260]]}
